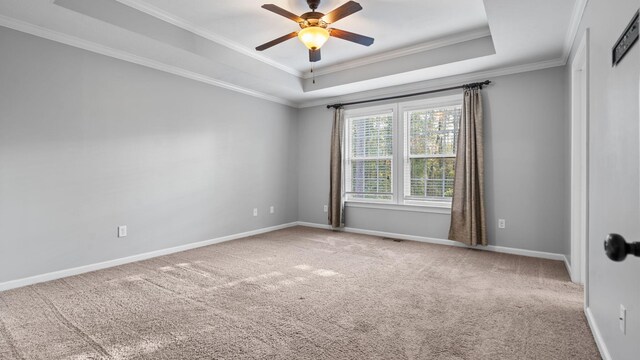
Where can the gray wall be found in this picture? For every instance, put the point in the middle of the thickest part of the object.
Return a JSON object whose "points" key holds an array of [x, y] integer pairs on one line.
{"points": [[614, 174], [526, 168], [88, 143]]}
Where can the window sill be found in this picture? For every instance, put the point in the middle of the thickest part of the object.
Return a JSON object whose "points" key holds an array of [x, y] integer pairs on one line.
{"points": [[430, 208]]}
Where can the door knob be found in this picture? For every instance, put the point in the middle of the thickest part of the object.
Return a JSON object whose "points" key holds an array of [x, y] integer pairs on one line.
{"points": [[617, 248]]}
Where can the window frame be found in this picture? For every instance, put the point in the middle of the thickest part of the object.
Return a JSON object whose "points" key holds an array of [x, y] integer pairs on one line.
{"points": [[346, 169], [404, 108], [400, 154]]}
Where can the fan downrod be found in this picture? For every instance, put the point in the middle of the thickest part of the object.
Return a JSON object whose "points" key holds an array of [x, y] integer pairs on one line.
{"points": [[313, 4]]}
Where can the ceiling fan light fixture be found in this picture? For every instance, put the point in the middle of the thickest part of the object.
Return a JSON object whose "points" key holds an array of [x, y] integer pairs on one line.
{"points": [[314, 24], [313, 37]]}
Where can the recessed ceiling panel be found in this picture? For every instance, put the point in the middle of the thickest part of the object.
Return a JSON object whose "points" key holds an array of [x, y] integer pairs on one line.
{"points": [[394, 24], [213, 41]]}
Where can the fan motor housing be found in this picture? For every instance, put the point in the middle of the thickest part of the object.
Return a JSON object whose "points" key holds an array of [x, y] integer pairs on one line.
{"points": [[312, 15], [312, 19], [313, 4]]}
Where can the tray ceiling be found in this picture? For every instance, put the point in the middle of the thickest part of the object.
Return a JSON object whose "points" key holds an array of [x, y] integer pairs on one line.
{"points": [[395, 24], [214, 41]]}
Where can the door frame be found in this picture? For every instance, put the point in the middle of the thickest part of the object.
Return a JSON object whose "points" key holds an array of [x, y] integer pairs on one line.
{"points": [[579, 219]]}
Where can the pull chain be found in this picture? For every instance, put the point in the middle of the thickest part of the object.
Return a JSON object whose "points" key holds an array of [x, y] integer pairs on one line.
{"points": [[313, 75]]}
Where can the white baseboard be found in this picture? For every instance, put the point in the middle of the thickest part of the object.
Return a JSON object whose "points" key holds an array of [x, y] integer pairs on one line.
{"points": [[494, 248], [604, 352], [314, 225], [568, 266], [129, 259], [121, 261]]}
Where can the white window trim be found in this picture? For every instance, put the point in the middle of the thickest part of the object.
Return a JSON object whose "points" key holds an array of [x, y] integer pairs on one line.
{"points": [[403, 107], [372, 110], [432, 208], [399, 202]]}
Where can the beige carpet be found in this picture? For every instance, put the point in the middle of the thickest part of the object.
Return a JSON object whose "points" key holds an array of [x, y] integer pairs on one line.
{"points": [[303, 293]]}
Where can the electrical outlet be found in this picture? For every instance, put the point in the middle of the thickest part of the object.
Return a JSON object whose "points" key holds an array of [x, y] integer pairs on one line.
{"points": [[501, 224], [623, 319], [326, 208], [122, 231], [255, 211], [272, 209]]}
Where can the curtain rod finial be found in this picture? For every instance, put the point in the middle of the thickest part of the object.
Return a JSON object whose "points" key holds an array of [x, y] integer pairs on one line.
{"points": [[476, 85]]}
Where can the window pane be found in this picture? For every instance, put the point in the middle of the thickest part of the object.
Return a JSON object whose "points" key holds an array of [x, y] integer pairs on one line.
{"points": [[431, 138], [432, 177], [371, 176], [372, 136], [369, 156], [434, 131]]}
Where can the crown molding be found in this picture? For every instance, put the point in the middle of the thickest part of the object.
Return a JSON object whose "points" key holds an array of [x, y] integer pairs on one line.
{"points": [[572, 32], [144, 7], [188, 26], [427, 85], [574, 24], [66, 39], [394, 54]]}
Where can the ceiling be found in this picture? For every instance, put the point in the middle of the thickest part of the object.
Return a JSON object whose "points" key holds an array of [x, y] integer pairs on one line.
{"points": [[214, 41], [395, 24]]}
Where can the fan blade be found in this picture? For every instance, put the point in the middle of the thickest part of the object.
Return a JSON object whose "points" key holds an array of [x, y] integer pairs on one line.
{"points": [[353, 37], [280, 11], [342, 11], [314, 55], [276, 41]]}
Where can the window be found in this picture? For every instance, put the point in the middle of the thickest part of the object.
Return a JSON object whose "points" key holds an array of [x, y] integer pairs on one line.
{"points": [[407, 159], [431, 137], [369, 144]]}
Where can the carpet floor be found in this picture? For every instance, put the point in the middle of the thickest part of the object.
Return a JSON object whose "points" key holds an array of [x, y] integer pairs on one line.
{"points": [[303, 293]]}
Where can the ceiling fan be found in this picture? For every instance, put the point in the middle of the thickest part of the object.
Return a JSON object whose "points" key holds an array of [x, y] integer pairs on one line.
{"points": [[314, 27]]}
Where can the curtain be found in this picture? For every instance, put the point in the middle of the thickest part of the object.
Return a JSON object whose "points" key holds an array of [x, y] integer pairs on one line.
{"points": [[467, 209], [336, 198]]}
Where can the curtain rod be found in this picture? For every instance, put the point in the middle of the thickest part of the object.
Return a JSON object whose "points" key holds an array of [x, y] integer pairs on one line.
{"points": [[471, 85]]}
